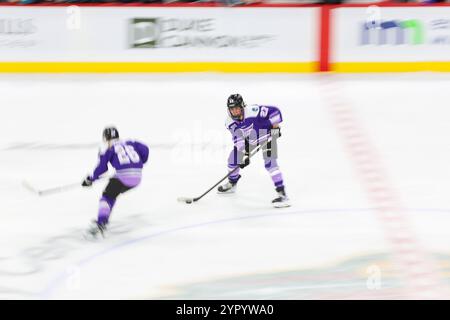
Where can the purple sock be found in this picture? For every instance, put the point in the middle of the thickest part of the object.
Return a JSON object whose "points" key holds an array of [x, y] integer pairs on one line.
{"points": [[104, 210], [275, 173]]}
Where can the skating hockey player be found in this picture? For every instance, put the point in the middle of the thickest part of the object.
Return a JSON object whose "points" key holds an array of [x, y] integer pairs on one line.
{"points": [[252, 126], [128, 158]]}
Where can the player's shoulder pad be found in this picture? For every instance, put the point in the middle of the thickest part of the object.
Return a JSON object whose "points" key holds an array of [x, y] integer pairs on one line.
{"points": [[252, 111], [103, 149], [128, 141], [137, 142], [229, 123]]}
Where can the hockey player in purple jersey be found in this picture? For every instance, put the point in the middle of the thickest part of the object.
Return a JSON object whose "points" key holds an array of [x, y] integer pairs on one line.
{"points": [[252, 126], [128, 158]]}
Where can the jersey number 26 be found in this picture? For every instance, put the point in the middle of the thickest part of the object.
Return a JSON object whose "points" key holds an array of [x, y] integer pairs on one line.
{"points": [[126, 154]]}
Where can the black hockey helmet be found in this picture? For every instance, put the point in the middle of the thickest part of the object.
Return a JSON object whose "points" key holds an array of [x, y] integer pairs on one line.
{"points": [[110, 133], [235, 100]]}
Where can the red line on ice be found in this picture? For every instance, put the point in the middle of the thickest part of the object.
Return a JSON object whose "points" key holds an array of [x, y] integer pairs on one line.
{"points": [[418, 270]]}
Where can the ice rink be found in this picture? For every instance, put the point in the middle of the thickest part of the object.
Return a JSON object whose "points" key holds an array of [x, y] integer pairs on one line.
{"points": [[365, 159]]}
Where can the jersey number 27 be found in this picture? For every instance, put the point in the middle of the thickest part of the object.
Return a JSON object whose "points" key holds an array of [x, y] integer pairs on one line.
{"points": [[126, 154]]}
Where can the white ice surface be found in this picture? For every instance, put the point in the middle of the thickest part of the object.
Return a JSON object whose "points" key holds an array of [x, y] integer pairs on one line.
{"points": [[234, 246]]}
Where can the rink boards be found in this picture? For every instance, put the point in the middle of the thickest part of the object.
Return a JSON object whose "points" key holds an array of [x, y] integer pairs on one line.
{"points": [[377, 39], [196, 38], [158, 39]]}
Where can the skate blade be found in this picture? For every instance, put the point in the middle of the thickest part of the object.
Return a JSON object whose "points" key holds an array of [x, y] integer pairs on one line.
{"points": [[231, 191], [282, 204], [89, 236]]}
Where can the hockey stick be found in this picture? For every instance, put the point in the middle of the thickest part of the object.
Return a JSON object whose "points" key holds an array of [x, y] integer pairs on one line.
{"points": [[191, 200], [45, 192]]}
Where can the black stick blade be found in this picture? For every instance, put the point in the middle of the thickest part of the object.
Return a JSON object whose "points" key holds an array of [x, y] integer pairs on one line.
{"points": [[185, 200]]}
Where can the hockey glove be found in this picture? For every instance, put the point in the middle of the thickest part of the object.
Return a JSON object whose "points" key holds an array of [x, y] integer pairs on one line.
{"points": [[275, 133], [245, 161], [87, 182]]}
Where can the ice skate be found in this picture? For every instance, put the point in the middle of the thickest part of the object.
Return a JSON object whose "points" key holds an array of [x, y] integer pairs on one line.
{"points": [[95, 230], [227, 188], [282, 201]]}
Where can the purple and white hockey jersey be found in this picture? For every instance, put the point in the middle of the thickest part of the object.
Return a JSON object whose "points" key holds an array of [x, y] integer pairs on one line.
{"points": [[256, 126], [127, 157]]}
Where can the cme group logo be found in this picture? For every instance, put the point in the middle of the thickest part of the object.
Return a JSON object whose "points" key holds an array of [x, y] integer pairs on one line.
{"points": [[144, 32], [392, 32], [199, 32]]}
